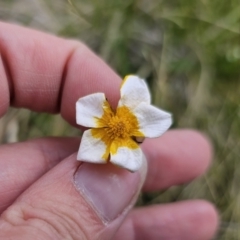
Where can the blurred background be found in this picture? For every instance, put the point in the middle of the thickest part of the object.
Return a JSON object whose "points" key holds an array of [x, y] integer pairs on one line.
{"points": [[189, 53]]}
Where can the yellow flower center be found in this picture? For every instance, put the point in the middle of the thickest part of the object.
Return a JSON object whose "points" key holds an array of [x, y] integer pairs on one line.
{"points": [[118, 127], [120, 124]]}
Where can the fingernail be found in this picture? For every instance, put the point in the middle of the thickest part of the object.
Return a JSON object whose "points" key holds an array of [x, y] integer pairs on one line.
{"points": [[107, 188]]}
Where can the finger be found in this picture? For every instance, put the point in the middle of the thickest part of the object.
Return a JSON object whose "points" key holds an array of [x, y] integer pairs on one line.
{"points": [[71, 202], [175, 158], [186, 220], [45, 73], [23, 163]]}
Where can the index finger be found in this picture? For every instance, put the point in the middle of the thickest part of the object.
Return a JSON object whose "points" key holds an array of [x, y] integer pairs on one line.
{"points": [[45, 73]]}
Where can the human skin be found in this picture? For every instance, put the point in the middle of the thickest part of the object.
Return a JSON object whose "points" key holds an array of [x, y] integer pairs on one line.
{"points": [[45, 191]]}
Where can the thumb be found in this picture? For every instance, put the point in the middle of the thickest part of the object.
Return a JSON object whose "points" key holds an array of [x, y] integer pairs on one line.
{"points": [[73, 202]]}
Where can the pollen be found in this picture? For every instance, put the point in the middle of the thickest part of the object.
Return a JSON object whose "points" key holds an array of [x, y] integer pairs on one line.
{"points": [[118, 127]]}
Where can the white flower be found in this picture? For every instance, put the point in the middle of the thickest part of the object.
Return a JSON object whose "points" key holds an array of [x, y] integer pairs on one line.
{"points": [[114, 134]]}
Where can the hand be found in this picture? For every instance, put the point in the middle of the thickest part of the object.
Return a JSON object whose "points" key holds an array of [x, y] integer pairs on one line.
{"points": [[46, 194]]}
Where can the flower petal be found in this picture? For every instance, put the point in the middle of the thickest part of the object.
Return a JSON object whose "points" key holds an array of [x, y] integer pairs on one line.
{"points": [[129, 157], [153, 122], [90, 108], [92, 149], [134, 90]]}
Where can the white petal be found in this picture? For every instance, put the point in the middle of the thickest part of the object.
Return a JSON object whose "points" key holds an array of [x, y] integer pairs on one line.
{"points": [[153, 122], [130, 159], [88, 108], [134, 90], [91, 149]]}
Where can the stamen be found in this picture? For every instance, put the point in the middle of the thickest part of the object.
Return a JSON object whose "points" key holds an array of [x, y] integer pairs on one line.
{"points": [[118, 128]]}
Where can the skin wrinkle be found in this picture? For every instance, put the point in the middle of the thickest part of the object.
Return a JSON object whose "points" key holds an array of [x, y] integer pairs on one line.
{"points": [[37, 217], [55, 220], [9, 218], [59, 90], [34, 197], [31, 90], [64, 220], [49, 86], [69, 224], [39, 73], [49, 152], [70, 54], [33, 59]]}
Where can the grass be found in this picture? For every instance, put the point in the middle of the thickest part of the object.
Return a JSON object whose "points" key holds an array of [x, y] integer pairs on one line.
{"points": [[189, 52]]}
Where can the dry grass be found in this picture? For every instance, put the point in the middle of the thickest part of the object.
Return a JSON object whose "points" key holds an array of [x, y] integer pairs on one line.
{"points": [[189, 51]]}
